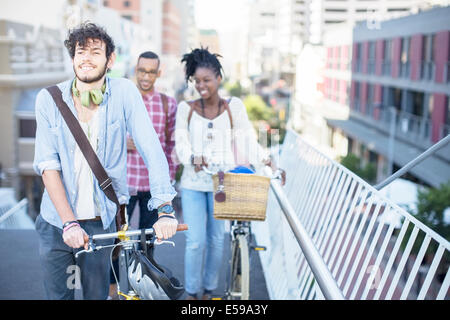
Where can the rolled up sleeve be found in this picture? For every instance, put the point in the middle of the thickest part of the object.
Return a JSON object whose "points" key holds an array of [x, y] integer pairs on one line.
{"points": [[46, 155]]}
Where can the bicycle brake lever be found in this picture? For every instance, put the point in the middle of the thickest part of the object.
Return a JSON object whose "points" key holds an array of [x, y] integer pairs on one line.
{"points": [[83, 251], [160, 242]]}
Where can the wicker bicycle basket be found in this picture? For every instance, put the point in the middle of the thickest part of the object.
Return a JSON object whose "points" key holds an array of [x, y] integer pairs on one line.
{"points": [[246, 197]]}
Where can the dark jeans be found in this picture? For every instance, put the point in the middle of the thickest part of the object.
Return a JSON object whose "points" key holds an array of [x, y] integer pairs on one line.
{"points": [[63, 273], [146, 217]]}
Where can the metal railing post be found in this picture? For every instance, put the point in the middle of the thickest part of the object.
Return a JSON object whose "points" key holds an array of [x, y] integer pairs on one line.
{"points": [[325, 280], [433, 149]]}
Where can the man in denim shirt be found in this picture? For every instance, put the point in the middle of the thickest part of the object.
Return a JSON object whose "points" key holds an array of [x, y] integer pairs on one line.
{"points": [[73, 205]]}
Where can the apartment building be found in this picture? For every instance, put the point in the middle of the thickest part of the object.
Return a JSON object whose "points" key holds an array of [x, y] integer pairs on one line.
{"points": [[394, 83]]}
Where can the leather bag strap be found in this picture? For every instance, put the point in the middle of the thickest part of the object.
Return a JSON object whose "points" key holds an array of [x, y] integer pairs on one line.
{"points": [[89, 153]]}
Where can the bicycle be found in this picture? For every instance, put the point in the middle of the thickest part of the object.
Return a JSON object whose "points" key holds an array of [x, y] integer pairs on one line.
{"points": [[140, 277], [241, 242]]}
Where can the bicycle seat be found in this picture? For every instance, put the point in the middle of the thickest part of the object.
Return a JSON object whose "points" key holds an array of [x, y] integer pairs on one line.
{"points": [[148, 277]]}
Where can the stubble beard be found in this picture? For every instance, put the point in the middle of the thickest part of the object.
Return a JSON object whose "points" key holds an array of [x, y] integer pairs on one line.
{"points": [[93, 79]]}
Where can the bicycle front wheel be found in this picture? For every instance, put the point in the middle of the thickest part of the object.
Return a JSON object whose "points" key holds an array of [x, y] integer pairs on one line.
{"points": [[240, 269]]}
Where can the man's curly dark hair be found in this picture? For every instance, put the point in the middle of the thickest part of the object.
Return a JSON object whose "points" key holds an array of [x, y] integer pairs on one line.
{"points": [[85, 31]]}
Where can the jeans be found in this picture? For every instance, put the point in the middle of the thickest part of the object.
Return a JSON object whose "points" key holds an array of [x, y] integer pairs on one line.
{"points": [[63, 273], [146, 217], [204, 241]]}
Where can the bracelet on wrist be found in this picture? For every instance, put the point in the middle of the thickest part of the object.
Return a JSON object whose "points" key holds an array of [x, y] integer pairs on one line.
{"points": [[69, 224], [171, 216]]}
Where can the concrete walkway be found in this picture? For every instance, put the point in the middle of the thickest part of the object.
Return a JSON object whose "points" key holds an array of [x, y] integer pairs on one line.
{"points": [[21, 273]]}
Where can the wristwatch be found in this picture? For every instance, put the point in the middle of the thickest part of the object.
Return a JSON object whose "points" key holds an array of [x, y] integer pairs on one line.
{"points": [[165, 209]]}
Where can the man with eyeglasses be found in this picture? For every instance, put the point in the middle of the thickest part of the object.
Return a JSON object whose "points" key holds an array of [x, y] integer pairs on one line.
{"points": [[161, 110]]}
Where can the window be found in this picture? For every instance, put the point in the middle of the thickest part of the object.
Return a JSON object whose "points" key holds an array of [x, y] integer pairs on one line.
{"points": [[404, 58], [427, 72], [369, 102], [335, 10], [27, 128], [126, 4], [371, 62], [397, 9], [356, 99], [387, 54]]}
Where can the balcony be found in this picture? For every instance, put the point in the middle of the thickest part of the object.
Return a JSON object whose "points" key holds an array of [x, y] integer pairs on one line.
{"points": [[408, 126]]}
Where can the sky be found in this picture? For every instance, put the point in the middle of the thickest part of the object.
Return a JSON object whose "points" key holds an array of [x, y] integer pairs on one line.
{"points": [[221, 15]]}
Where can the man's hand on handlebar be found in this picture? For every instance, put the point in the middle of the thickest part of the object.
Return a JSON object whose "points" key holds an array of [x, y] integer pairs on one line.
{"points": [[165, 227], [76, 237]]}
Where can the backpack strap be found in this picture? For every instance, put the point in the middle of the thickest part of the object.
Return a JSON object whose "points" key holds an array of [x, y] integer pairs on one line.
{"points": [[166, 112], [191, 104], [226, 106]]}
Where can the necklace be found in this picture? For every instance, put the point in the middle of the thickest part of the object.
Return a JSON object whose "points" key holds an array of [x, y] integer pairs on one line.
{"points": [[210, 124], [203, 107]]}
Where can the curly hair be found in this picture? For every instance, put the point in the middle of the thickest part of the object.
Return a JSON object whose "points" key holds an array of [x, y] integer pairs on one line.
{"points": [[201, 58], [81, 34]]}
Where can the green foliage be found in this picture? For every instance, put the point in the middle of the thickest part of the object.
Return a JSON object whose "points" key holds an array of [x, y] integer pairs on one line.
{"points": [[353, 163], [234, 89], [257, 108], [431, 204], [258, 112]]}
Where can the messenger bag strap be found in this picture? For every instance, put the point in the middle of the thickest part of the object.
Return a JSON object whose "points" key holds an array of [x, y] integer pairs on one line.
{"points": [[89, 153]]}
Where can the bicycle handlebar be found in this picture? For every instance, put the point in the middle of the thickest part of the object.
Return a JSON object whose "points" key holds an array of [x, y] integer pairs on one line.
{"points": [[267, 171], [121, 234], [112, 235]]}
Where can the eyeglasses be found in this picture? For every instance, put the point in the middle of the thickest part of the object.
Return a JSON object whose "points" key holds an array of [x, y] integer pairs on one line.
{"points": [[143, 72]]}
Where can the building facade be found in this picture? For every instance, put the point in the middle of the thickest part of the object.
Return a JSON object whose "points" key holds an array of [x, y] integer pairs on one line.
{"points": [[394, 84]]}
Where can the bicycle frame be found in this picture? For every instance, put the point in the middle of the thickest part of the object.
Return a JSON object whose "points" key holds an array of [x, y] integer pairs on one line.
{"points": [[238, 276], [124, 289]]}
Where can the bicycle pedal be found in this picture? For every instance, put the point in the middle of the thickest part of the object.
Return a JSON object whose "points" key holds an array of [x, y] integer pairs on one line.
{"points": [[259, 248]]}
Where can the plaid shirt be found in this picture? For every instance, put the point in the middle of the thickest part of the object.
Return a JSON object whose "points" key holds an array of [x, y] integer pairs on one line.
{"points": [[137, 173]]}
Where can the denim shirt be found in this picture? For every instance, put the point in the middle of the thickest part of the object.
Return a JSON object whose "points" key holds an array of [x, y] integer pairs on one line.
{"points": [[122, 110]]}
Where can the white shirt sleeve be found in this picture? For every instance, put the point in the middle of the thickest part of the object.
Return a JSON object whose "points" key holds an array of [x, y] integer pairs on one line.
{"points": [[183, 146], [246, 143]]}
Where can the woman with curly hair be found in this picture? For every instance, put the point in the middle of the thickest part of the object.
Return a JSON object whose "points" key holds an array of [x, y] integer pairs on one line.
{"points": [[209, 132]]}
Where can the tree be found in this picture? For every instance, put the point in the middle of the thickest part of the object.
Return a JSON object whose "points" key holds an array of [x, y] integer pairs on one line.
{"points": [[234, 89], [257, 109], [353, 163], [431, 205]]}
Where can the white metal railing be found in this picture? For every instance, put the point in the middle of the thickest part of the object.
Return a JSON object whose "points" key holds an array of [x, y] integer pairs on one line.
{"points": [[13, 214], [346, 221]]}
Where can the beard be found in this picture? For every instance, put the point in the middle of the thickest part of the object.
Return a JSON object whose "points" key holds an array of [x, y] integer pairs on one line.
{"points": [[94, 78]]}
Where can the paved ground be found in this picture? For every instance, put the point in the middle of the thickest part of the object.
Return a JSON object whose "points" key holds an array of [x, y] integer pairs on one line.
{"points": [[21, 274]]}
